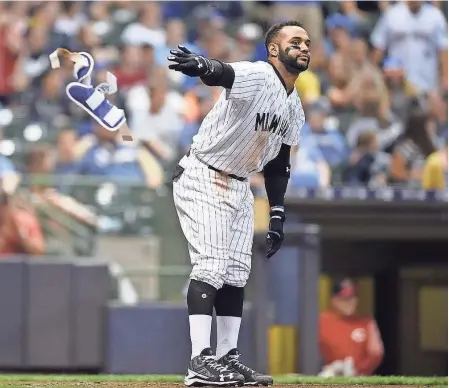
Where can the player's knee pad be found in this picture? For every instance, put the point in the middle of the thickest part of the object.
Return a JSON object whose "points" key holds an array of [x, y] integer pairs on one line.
{"points": [[200, 298], [229, 301]]}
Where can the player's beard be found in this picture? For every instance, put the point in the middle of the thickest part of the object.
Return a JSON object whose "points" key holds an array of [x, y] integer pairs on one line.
{"points": [[290, 62]]}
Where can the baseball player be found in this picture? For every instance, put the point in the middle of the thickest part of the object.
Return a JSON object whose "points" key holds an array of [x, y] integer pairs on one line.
{"points": [[251, 128]]}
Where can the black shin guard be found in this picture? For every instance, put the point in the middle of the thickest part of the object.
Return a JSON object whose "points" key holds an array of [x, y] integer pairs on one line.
{"points": [[200, 298], [229, 301]]}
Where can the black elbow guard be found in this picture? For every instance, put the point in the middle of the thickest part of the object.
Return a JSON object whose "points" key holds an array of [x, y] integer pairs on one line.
{"points": [[221, 75]]}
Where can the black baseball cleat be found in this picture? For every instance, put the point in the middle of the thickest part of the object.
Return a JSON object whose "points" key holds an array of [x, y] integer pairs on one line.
{"points": [[231, 360], [204, 370]]}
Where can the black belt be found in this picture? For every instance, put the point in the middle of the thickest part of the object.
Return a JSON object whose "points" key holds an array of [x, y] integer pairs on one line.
{"points": [[239, 178]]}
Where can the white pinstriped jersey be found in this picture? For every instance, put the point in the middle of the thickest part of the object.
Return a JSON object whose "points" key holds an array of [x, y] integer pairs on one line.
{"points": [[248, 124]]}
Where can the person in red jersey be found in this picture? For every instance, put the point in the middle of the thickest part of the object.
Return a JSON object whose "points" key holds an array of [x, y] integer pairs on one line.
{"points": [[20, 232], [350, 344]]}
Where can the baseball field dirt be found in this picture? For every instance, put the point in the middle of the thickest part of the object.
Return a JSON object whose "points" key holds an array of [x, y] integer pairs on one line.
{"points": [[157, 381], [175, 385]]}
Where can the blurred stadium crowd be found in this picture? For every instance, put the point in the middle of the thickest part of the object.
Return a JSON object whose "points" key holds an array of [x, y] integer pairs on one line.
{"points": [[375, 94]]}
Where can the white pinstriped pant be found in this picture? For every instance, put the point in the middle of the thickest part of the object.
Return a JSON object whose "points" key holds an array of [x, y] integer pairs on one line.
{"points": [[216, 217]]}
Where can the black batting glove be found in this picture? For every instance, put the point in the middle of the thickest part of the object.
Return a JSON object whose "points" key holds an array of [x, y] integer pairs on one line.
{"points": [[189, 63], [275, 235]]}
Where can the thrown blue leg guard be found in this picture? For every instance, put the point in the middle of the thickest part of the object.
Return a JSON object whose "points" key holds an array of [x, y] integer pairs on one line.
{"points": [[83, 64], [83, 68], [94, 102]]}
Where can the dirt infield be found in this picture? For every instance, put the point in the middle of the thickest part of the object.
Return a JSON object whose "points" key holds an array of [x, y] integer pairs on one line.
{"points": [[166, 385]]}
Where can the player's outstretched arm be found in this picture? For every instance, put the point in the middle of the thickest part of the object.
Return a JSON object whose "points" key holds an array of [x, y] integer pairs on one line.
{"points": [[277, 174], [211, 71]]}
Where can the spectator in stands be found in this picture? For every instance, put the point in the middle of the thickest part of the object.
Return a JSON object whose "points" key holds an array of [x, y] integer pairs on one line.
{"points": [[364, 13], [20, 232], [45, 15], [314, 82], [66, 153], [309, 168], [70, 19], [412, 148], [204, 101], [340, 28], [345, 336], [175, 32], [323, 130], [131, 69], [11, 45], [156, 115], [218, 45], [207, 21], [415, 32], [400, 90], [372, 117], [87, 40], [307, 12], [49, 102], [308, 87], [339, 78], [35, 60], [367, 166], [246, 38], [39, 161], [148, 29], [104, 155], [66, 165], [438, 119], [358, 53], [434, 175], [102, 20]]}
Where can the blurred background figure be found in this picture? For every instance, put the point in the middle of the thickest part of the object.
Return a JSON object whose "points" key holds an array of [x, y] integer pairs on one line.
{"points": [[307, 12], [104, 155], [323, 129], [412, 147], [309, 167], [350, 345], [148, 28], [414, 32], [367, 165], [434, 175], [156, 114], [20, 232]]}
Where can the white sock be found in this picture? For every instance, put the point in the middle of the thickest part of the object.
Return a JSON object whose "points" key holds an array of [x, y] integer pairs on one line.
{"points": [[227, 334], [200, 326]]}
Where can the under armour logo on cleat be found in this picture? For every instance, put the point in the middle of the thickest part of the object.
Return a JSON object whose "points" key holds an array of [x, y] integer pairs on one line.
{"points": [[230, 375]]}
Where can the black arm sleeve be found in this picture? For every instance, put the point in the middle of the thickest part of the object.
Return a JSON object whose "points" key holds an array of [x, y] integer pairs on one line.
{"points": [[221, 75], [277, 174]]}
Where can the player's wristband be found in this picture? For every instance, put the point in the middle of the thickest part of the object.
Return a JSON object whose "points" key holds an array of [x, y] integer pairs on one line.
{"points": [[277, 209], [277, 212]]}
